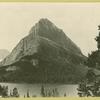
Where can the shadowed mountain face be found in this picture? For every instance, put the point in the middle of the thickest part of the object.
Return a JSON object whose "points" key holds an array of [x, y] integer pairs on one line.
{"points": [[45, 55]]}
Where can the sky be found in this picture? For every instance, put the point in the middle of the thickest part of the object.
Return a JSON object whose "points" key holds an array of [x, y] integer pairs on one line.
{"points": [[78, 20]]}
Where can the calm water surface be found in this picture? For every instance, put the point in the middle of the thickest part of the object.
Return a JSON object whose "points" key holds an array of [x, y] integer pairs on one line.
{"points": [[34, 89]]}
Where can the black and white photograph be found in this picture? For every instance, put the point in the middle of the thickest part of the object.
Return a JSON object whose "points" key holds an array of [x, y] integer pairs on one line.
{"points": [[49, 49]]}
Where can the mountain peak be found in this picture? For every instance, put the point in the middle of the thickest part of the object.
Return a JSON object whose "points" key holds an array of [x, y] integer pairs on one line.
{"points": [[43, 52], [43, 25], [46, 29], [44, 20]]}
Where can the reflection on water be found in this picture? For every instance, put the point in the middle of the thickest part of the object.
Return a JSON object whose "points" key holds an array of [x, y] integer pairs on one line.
{"points": [[35, 89]]}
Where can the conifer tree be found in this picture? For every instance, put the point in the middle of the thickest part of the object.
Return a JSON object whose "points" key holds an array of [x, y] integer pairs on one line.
{"points": [[94, 58]]}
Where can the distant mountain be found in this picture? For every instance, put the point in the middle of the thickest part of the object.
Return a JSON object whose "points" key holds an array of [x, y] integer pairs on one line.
{"points": [[46, 55], [3, 53]]}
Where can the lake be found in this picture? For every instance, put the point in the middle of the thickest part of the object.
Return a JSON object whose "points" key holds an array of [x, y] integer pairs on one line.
{"points": [[35, 89]]}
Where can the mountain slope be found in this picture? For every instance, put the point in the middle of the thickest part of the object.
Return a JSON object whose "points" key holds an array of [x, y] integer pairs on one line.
{"points": [[3, 53], [45, 55]]}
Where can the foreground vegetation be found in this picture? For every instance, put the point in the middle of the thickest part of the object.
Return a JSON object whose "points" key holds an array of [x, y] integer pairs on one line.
{"points": [[14, 93], [86, 90], [91, 86]]}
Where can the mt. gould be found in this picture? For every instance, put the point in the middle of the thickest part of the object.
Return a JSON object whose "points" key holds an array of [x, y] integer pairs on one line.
{"points": [[46, 55]]}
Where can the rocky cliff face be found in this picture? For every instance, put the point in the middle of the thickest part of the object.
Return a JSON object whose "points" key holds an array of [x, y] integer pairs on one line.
{"points": [[46, 52]]}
